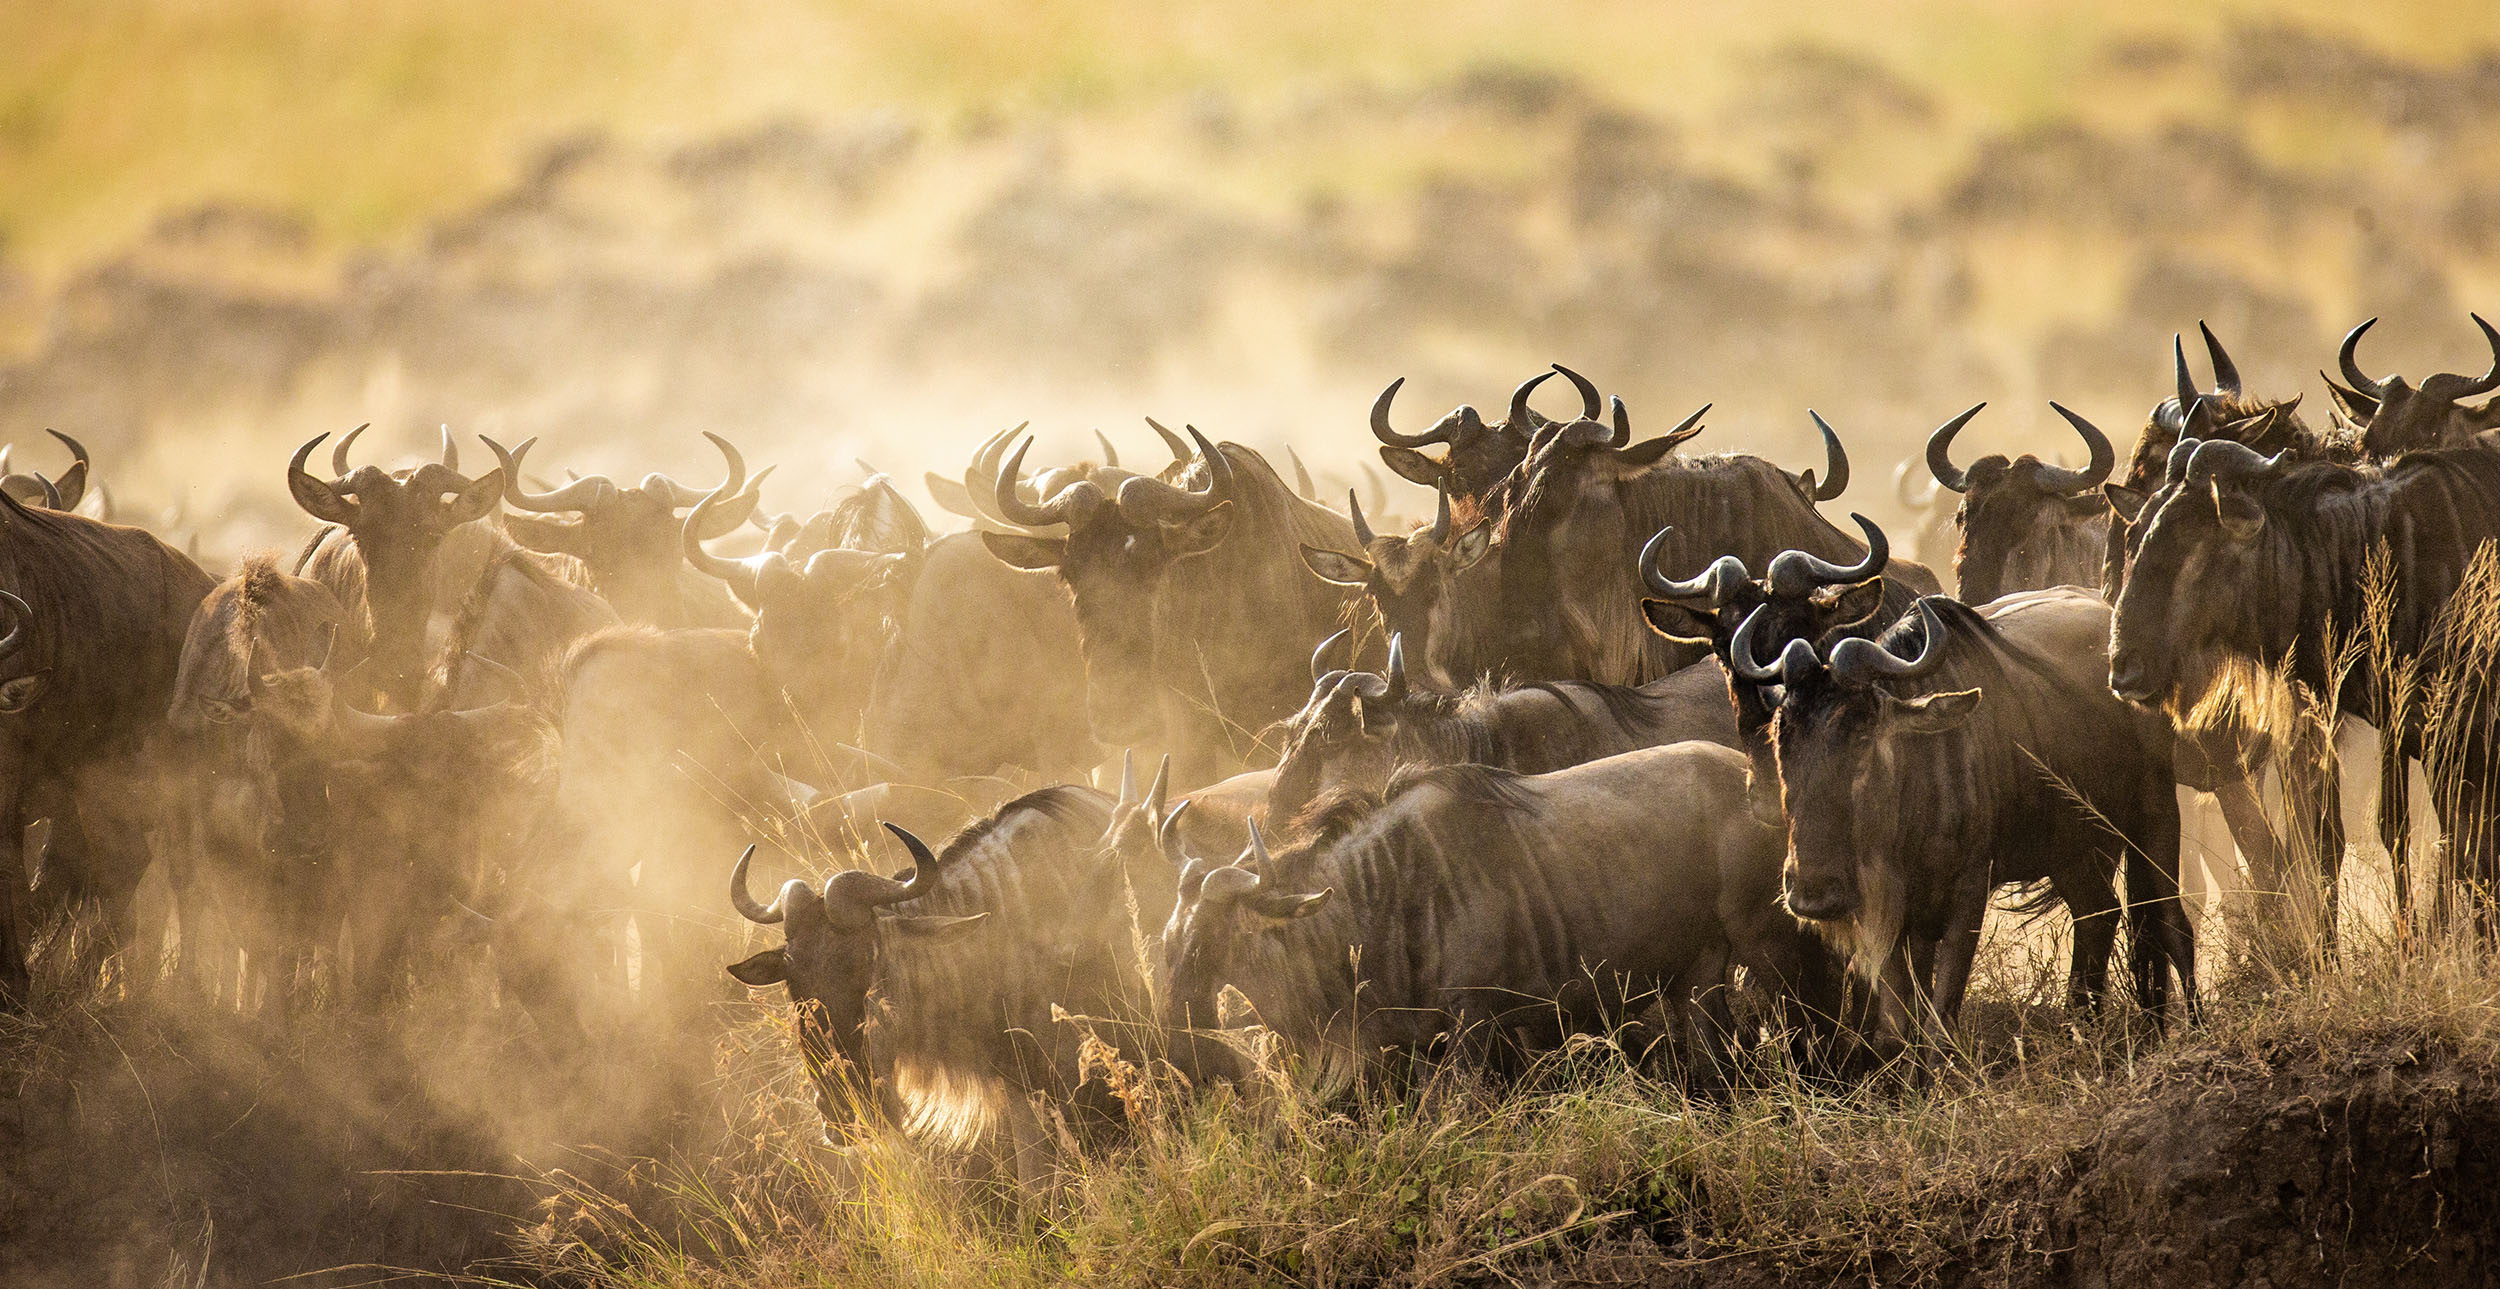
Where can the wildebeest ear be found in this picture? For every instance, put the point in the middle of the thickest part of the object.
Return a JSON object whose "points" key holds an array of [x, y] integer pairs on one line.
{"points": [[2240, 514], [771, 967], [1676, 622], [1935, 713], [2128, 502], [931, 926], [547, 536], [1656, 450], [952, 495], [1337, 567], [1199, 534], [1032, 553], [476, 501], [1286, 906], [1470, 546], [1855, 603], [1411, 465]]}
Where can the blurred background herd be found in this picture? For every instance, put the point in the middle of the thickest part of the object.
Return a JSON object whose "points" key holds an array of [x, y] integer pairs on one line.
{"points": [[883, 232]]}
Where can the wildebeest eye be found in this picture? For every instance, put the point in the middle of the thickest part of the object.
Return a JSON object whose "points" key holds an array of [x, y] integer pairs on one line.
{"points": [[20, 694]]}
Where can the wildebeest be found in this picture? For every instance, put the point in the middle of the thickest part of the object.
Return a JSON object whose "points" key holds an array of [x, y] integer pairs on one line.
{"points": [[2244, 560], [520, 617], [96, 617], [936, 987], [1964, 750], [2397, 417], [1477, 456], [250, 846], [1194, 608], [629, 537], [1588, 500], [2025, 523], [377, 550], [1503, 910], [1418, 584], [1359, 727], [1930, 510]]}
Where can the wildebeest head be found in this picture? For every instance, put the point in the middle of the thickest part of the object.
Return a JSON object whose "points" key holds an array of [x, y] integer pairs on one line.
{"points": [[2397, 416], [2024, 523], [2225, 412], [1141, 834], [1122, 532], [396, 520], [1586, 492], [1478, 456], [1412, 580], [627, 537], [831, 942], [2195, 563], [1738, 616], [1346, 735], [70, 492], [822, 623], [1848, 741], [1216, 913]]}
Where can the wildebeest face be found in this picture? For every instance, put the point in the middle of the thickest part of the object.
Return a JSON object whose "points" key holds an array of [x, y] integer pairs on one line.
{"points": [[397, 522], [2192, 561], [1344, 737], [1217, 912], [1117, 551], [833, 941], [821, 628], [629, 538], [2399, 417], [1843, 755]]}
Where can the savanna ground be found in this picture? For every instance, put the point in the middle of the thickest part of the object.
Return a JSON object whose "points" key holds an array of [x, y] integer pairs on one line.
{"points": [[889, 230]]}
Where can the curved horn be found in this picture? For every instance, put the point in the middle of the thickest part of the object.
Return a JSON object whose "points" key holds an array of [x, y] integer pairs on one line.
{"points": [[681, 495], [1940, 451], [740, 575], [339, 468], [1800, 573], [1372, 485], [1687, 428], [1859, 661], [2186, 392], [2226, 373], [1354, 511], [2451, 387], [1324, 658], [318, 498], [743, 900], [2104, 457], [1302, 485], [1380, 422], [1519, 412], [2223, 457], [1258, 850], [451, 451], [1396, 692], [1835, 480], [1912, 499], [924, 868], [1156, 500], [1590, 405], [1715, 583], [1440, 534], [580, 495], [1110, 454], [737, 508], [20, 613], [1015, 509], [2348, 358], [51, 494], [1740, 653], [1179, 446]]}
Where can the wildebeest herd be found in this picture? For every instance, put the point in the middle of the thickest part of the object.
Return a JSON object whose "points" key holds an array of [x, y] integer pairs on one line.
{"points": [[1620, 742]]}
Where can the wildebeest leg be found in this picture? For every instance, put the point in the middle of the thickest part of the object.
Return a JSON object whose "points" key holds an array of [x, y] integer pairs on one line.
{"points": [[14, 979], [1954, 954], [2312, 774], [1703, 991], [2092, 899], [2161, 939]]}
